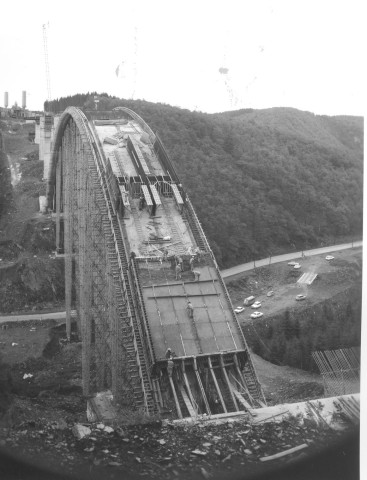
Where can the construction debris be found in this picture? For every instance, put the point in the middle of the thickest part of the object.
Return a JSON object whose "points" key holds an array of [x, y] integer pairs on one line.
{"points": [[284, 453], [80, 431]]}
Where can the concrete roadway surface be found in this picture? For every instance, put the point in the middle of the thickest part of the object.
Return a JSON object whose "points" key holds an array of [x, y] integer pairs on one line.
{"points": [[233, 271]]}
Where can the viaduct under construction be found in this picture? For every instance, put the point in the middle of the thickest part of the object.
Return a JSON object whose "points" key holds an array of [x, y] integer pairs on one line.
{"points": [[156, 322]]}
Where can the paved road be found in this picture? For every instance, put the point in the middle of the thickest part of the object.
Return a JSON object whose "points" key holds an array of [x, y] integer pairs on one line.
{"points": [[231, 272], [34, 316]]}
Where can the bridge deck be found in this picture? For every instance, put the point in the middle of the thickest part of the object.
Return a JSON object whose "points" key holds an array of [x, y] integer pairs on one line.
{"points": [[212, 329]]}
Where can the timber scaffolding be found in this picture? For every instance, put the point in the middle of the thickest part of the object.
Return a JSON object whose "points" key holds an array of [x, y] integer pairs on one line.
{"points": [[133, 308], [340, 370]]}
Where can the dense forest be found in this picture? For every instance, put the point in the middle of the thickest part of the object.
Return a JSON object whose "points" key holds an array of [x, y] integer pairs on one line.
{"points": [[262, 181]]}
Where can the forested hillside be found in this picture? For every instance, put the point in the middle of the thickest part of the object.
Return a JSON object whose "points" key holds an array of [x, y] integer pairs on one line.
{"points": [[261, 181]]}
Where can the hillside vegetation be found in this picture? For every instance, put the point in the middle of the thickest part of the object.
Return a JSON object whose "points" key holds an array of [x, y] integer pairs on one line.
{"points": [[5, 180], [261, 181]]}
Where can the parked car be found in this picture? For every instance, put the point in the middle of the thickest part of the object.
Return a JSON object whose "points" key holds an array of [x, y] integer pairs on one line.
{"points": [[239, 309], [256, 315], [292, 263], [300, 297], [270, 294], [256, 305], [329, 257], [297, 266], [249, 300]]}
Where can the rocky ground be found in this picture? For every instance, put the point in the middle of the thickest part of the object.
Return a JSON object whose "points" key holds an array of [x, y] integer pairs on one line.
{"points": [[44, 405]]}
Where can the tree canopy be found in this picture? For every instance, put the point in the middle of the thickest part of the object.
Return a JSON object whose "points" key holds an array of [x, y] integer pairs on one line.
{"points": [[261, 181]]}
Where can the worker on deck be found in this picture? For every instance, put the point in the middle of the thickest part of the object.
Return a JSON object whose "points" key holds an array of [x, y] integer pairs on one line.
{"points": [[190, 309], [165, 254], [141, 202], [170, 366], [197, 275], [178, 272], [170, 353], [192, 260]]}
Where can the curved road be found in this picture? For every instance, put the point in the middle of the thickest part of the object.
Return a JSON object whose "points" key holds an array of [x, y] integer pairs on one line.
{"points": [[231, 272]]}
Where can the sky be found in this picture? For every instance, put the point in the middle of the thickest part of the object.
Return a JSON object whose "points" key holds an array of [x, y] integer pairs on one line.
{"points": [[277, 53]]}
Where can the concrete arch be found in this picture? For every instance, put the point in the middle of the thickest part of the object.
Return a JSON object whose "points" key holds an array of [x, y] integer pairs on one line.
{"points": [[77, 116]]}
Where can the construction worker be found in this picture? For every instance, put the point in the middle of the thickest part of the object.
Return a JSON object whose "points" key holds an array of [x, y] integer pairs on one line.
{"points": [[190, 309], [170, 353], [192, 260], [170, 366], [141, 202], [197, 275], [178, 272]]}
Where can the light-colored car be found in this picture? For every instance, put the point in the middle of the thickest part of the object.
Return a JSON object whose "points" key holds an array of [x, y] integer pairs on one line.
{"points": [[300, 297], [256, 315], [329, 257], [249, 300], [270, 294], [239, 309], [256, 305], [292, 263], [297, 266]]}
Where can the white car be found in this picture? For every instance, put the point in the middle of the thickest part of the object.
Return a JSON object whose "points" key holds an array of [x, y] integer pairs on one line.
{"points": [[256, 315], [256, 305], [297, 266], [292, 264], [239, 309], [300, 297], [329, 257], [270, 294]]}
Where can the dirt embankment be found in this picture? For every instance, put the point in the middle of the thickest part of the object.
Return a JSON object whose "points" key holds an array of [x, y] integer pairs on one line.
{"points": [[43, 401], [30, 277]]}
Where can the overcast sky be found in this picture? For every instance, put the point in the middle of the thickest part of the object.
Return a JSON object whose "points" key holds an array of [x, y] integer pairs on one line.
{"points": [[304, 54]]}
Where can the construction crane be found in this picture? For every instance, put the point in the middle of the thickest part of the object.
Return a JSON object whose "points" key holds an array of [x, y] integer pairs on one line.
{"points": [[48, 82]]}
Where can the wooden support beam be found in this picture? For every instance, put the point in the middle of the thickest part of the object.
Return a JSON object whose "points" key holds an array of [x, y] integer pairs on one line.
{"points": [[58, 195], [238, 370], [188, 386], [216, 385], [228, 383], [188, 404], [179, 413], [284, 453], [68, 234], [201, 388]]}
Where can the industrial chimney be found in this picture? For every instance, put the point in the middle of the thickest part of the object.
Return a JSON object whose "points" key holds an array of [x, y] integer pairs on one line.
{"points": [[6, 99], [24, 99]]}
